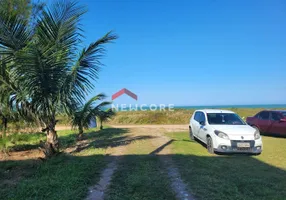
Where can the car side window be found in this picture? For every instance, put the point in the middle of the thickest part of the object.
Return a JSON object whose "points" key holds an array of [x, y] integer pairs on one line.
{"points": [[275, 116], [197, 116], [264, 115]]}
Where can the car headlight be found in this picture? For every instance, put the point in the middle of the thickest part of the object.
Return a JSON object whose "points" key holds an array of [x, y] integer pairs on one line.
{"points": [[256, 135], [221, 135]]}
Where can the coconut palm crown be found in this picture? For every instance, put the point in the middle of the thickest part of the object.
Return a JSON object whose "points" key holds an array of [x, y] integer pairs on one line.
{"points": [[55, 73], [88, 112]]}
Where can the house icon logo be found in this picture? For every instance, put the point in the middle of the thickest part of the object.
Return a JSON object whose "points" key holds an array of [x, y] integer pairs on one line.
{"points": [[124, 91]]}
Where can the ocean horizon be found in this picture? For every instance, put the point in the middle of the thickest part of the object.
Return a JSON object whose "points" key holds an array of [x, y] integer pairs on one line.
{"points": [[268, 106]]}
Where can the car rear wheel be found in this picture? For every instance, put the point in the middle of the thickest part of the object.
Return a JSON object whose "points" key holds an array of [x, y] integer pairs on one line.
{"points": [[210, 145], [191, 134]]}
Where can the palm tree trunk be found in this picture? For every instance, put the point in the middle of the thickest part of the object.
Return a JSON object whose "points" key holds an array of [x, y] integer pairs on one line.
{"points": [[101, 127], [52, 143], [80, 134], [4, 124]]}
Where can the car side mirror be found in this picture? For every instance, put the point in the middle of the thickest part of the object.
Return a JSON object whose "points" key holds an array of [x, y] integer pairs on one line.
{"points": [[282, 120], [202, 123]]}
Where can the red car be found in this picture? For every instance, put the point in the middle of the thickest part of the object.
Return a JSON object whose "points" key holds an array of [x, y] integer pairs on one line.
{"points": [[269, 121]]}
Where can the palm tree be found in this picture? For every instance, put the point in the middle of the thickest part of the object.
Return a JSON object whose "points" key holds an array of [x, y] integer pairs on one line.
{"points": [[7, 112], [22, 8], [88, 112], [55, 74], [103, 116]]}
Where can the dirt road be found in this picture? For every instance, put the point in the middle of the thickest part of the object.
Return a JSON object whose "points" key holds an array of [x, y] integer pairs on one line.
{"points": [[148, 140], [167, 127]]}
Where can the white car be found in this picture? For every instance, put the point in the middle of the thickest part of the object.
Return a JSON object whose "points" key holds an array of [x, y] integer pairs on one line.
{"points": [[224, 131]]}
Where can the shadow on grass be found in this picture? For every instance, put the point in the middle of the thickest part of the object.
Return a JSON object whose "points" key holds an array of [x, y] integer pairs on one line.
{"points": [[273, 135], [110, 137], [67, 138], [70, 139], [162, 147], [167, 144], [106, 133], [141, 177], [23, 147]]}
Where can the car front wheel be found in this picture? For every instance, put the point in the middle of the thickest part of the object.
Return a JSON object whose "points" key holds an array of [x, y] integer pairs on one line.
{"points": [[191, 134], [210, 145]]}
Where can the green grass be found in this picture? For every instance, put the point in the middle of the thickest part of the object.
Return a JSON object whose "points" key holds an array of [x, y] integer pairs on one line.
{"points": [[234, 176], [27, 141], [178, 116], [141, 175], [140, 178], [21, 141], [62, 177], [66, 176]]}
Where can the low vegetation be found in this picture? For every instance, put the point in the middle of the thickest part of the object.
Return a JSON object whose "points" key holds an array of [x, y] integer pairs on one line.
{"points": [[179, 116], [231, 177]]}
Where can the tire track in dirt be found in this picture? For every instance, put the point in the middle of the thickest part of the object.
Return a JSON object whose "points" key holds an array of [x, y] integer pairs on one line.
{"points": [[162, 149], [97, 191]]}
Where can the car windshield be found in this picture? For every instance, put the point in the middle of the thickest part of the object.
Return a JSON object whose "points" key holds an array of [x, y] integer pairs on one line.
{"points": [[225, 119], [284, 114]]}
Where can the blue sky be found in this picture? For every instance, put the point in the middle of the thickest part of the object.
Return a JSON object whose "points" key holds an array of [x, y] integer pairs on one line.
{"points": [[189, 52]]}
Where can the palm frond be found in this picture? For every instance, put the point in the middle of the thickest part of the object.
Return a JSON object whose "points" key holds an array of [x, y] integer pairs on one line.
{"points": [[89, 111], [105, 115], [58, 29], [14, 34], [88, 105], [87, 67]]}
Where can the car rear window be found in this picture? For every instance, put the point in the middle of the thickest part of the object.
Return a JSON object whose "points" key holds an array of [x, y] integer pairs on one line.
{"points": [[224, 118]]}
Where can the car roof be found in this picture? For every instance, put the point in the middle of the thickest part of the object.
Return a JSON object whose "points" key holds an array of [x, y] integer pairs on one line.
{"points": [[215, 111]]}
